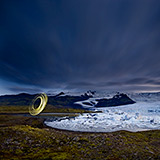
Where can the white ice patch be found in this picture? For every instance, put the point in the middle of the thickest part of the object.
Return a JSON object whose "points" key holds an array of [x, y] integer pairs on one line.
{"points": [[92, 101], [136, 117]]}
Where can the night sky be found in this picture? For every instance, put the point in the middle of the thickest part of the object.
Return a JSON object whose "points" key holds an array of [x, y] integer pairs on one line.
{"points": [[104, 45]]}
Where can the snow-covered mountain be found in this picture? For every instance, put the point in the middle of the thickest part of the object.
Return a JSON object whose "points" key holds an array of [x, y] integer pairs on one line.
{"points": [[107, 101], [147, 97]]}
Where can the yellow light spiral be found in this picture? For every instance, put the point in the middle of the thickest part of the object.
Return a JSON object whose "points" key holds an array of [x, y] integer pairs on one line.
{"points": [[35, 111]]}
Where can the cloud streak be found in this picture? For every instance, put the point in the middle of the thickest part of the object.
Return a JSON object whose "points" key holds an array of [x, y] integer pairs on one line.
{"points": [[80, 44]]}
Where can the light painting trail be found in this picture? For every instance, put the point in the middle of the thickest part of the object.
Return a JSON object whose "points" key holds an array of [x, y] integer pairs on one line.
{"points": [[35, 111]]}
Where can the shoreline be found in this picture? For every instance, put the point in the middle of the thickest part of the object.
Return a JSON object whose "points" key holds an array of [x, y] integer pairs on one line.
{"points": [[42, 120], [65, 130]]}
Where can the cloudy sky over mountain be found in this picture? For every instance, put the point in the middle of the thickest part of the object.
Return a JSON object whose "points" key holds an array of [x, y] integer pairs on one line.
{"points": [[79, 44]]}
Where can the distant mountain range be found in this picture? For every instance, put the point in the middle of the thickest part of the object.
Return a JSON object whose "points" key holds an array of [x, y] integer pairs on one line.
{"points": [[68, 101], [24, 99]]}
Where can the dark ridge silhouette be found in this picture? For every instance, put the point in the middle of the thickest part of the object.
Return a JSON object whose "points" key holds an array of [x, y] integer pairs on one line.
{"points": [[117, 100]]}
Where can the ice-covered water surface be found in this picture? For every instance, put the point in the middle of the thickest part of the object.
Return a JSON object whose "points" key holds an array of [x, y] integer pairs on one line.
{"points": [[136, 117]]}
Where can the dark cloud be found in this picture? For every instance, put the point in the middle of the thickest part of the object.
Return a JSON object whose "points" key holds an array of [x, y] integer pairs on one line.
{"points": [[25, 89], [99, 44]]}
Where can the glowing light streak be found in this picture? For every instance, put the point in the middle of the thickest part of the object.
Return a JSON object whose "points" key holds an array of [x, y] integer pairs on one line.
{"points": [[35, 111]]}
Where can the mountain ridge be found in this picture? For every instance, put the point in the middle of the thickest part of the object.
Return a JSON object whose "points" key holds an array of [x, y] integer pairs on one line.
{"points": [[67, 101]]}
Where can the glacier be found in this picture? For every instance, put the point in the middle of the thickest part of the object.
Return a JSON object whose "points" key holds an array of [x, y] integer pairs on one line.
{"points": [[141, 116]]}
